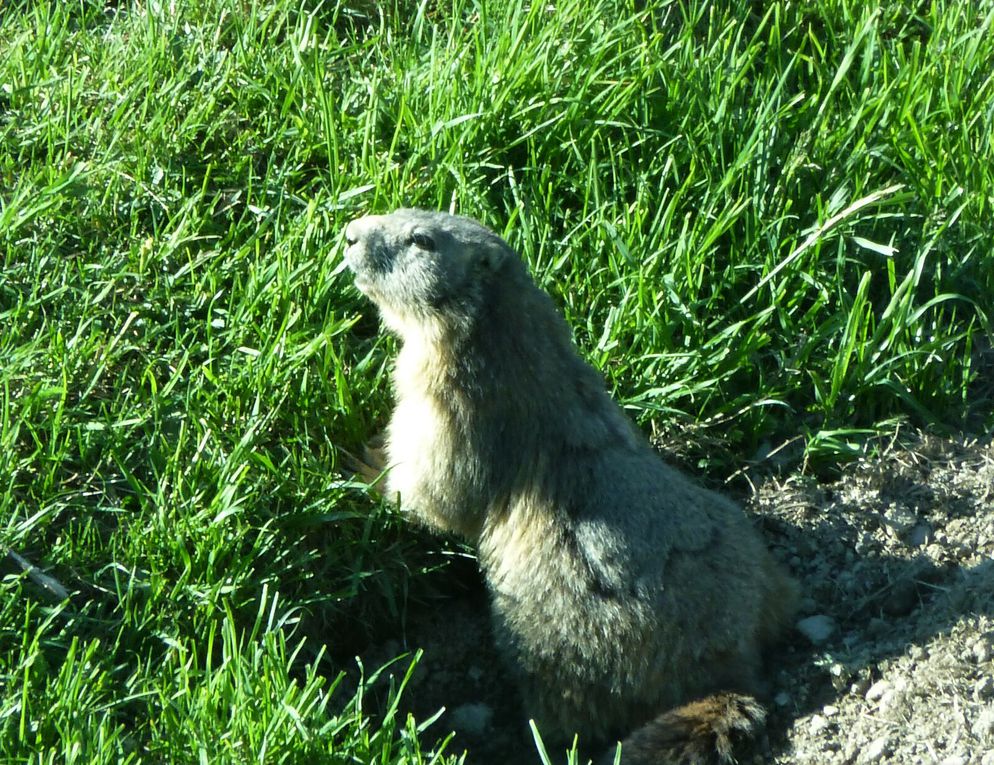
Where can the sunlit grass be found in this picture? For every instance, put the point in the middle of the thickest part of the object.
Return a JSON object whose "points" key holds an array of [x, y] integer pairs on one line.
{"points": [[771, 221]]}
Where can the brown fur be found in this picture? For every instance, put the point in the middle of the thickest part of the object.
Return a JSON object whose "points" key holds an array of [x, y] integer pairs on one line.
{"points": [[703, 732], [623, 594]]}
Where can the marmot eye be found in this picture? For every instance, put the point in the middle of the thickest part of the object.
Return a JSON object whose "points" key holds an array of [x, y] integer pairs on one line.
{"points": [[422, 240]]}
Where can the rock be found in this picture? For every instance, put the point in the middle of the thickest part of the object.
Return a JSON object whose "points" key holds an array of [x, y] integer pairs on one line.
{"points": [[830, 710], [817, 724], [935, 550], [983, 726], [838, 669], [892, 699], [817, 629], [920, 535], [954, 759], [899, 520], [840, 674], [981, 651], [474, 719], [987, 759], [877, 690], [876, 750]]}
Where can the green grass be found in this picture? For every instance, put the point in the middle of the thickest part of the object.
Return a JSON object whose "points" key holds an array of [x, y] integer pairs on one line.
{"points": [[772, 220]]}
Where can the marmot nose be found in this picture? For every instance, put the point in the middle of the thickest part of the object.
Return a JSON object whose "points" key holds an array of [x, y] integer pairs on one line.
{"points": [[351, 235], [358, 229]]}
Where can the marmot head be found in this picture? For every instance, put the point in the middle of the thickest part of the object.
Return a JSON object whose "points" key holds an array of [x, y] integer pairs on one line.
{"points": [[423, 267]]}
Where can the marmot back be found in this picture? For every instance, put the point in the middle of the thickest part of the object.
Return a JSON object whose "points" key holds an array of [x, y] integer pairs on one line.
{"points": [[625, 597]]}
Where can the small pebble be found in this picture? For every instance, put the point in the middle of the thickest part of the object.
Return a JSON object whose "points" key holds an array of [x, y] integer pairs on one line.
{"points": [[889, 699], [899, 521], [983, 725], [935, 551], [839, 673], [877, 690], [860, 687], [817, 724], [920, 535], [474, 719], [981, 651], [875, 750], [817, 629]]}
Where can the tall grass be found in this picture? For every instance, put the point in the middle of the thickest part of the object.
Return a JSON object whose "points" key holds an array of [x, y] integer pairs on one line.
{"points": [[772, 220]]}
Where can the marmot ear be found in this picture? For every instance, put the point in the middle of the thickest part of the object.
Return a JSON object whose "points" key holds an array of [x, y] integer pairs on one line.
{"points": [[493, 256]]}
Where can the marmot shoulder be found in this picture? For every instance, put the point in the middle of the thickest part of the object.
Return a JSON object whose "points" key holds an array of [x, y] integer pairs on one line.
{"points": [[625, 598]]}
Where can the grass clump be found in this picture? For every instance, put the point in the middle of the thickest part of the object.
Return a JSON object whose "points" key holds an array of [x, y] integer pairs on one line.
{"points": [[772, 221]]}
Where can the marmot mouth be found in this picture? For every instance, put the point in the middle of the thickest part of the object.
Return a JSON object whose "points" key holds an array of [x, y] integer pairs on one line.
{"points": [[352, 258], [365, 260], [365, 278]]}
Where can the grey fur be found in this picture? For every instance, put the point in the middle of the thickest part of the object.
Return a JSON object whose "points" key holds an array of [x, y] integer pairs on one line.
{"points": [[620, 589]]}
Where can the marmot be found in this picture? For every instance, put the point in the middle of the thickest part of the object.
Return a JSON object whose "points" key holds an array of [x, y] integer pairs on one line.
{"points": [[624, 597]]}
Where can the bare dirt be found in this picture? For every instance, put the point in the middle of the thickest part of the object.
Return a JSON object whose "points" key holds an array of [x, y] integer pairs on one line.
{"points": [[893, 657]]}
